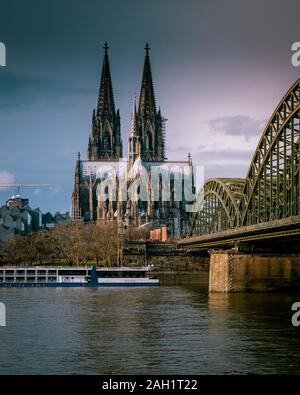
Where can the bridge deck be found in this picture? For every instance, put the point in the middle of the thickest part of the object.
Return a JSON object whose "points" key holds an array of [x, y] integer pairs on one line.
{"points": [[283, 229]]}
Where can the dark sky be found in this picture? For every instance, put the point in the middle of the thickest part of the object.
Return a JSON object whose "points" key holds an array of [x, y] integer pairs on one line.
{"points": [[219, 69]]}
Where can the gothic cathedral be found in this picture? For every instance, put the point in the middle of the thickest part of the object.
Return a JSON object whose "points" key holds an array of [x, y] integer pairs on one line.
{"points": [[145, 188]]}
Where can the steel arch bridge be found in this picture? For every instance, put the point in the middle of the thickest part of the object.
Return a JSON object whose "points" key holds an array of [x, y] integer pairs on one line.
{"points": [[271, 189]]}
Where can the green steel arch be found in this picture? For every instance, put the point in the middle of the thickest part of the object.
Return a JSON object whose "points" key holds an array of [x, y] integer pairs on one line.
{"points": [[216, 207], [271, 190]]}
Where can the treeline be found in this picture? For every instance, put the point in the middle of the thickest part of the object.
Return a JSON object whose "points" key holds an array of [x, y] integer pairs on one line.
{"points": [[73, 244]]}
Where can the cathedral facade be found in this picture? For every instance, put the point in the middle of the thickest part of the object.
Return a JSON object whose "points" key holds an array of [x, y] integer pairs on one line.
{"points": [[144, 188]]}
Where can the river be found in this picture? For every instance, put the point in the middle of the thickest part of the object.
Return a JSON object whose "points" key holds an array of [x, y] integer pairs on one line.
{"points": [[159, 330]]}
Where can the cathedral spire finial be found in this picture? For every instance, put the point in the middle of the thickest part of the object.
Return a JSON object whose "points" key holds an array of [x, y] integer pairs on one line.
{"points": [[147, 48], [105, 47]]}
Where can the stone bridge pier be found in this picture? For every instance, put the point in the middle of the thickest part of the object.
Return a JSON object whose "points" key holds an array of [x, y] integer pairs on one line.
{"points": [[232, 271]]}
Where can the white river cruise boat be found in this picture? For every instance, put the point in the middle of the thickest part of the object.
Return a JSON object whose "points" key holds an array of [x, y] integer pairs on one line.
{"points": [[42, 276]]}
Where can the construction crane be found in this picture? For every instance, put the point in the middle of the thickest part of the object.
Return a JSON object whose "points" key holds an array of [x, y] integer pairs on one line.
{"points": [[19, 186]]}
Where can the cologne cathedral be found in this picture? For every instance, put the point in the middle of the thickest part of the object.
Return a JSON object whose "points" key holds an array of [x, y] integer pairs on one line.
{"points": [[144, 188]]}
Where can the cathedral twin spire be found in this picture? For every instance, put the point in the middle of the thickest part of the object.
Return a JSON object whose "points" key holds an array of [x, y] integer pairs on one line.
{"points": [[105, 140], [150, 122], [147, 124], [147, 98], [106, 104]]}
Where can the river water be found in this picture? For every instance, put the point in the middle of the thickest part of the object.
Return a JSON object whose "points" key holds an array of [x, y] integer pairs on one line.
{"points": [[159, 330]]}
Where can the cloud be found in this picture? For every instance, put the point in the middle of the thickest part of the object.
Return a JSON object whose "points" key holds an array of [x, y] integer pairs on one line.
{"points": [[238, 125], [180, 148], [6, 178], [221, 157], [228, 170], [226, 138], [217, 146]]}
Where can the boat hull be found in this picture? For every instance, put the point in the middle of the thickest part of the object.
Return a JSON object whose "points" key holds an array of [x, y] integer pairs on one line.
{"points": [[39, 285]]}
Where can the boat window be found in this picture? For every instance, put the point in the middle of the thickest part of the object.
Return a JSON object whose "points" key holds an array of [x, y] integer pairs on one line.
{"points": [[120, 274], [30, 279], [73, 272]]}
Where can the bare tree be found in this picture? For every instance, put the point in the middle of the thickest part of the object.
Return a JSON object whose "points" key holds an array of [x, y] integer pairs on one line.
{"points": [[73, 243]]}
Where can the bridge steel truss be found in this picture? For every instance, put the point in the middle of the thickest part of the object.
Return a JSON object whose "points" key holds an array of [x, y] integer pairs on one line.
{"points": [[271, 189], [216, 207]]}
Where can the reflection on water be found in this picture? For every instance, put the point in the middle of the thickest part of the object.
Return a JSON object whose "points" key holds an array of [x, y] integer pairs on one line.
{"points": [[147, 330]]}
